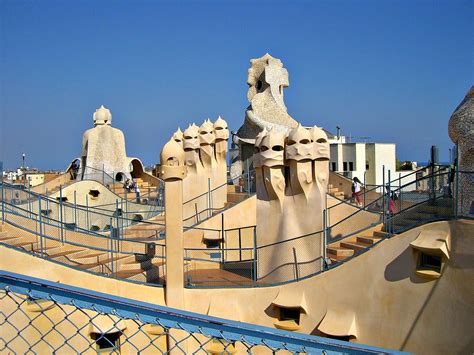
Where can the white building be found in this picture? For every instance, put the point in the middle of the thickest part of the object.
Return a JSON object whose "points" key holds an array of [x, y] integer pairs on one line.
{"points": [[366, 161]]}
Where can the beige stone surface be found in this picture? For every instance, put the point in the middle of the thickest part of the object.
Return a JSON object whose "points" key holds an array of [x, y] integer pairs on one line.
{"points": [[267, 79], [205, 150], [291, 173], [392, 306], [103, 149]]}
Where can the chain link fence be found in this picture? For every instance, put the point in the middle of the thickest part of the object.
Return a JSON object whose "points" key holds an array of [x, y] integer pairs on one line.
{"points": [[38, 316]]}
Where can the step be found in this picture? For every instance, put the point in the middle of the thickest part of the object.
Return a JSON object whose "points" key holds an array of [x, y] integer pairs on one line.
{"points": [[7, 238], [339, 251], [353, 245], [333, 190], [62, 252], [335, 258], [361, 239], [150, 275], [89, 258], [380, 234]]}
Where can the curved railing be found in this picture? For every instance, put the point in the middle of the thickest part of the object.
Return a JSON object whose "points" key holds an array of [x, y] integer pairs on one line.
{"points": [[110, 249]]}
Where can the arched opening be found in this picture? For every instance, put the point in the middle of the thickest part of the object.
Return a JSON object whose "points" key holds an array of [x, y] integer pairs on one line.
{"points": [[137, 168], [120, 177]]}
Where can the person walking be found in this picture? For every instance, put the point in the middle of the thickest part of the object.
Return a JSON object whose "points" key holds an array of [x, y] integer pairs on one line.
{"points": [[356, 190], [137, 192]]}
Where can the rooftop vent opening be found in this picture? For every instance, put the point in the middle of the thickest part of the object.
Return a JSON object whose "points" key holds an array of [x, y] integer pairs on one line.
{"points": [[94, 228], [106, 342], [430, 262], [137, 218], [46, 212], [94, 193], [289, 318], [70, 226], [212, 243]]}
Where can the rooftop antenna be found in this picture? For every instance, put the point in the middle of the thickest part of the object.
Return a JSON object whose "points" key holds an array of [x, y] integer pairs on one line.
{"points": [[23, 155], [338, 129]]}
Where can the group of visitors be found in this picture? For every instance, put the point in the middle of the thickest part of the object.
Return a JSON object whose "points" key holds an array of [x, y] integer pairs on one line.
{"points": [[357, 190], [131, 185]]}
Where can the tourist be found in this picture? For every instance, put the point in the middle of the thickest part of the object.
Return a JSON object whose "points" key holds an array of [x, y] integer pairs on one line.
{"points": [[137, 191], [356, 189]]}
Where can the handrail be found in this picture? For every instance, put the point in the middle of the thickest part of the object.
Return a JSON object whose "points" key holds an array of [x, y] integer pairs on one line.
{"points": [[77, 230], [220, 186], [375, 187]]}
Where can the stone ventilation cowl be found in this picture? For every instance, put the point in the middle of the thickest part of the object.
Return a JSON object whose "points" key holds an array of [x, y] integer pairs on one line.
{"points": [[172, 159], [102, 116]]}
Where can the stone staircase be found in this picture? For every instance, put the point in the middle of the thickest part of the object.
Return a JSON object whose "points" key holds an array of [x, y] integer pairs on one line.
{"points": [[233, 196], [334, 191], [430, 210], [349, 246], [138, 267], [147, 191]]}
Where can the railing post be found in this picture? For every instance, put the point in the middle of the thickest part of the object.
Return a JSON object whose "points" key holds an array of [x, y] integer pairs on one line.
{"points": [[389, 199], [400, 192], [87, 213], [123, 214], [111, 247], [324, 238], [40, 226], [117, 218], [240, 244], [255, 256], [75, 210], [365, 188], [297, 276], [61, 212], [208, 197], [222, 237], [3, 200], [383, 196], [28, 198], [248, 176], [196, 210]]}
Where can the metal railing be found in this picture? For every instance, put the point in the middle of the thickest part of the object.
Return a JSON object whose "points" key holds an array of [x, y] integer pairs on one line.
{"points": [[203, 206], [39, 316], [73, 215], [108, 254]]}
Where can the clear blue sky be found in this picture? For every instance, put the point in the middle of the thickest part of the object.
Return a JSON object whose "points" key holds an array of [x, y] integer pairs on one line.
{"points": [[390, 70]]}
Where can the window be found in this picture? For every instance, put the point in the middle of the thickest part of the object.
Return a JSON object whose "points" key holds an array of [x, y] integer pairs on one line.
{"points": [[351, 166], [94, 193], [106, 342], [430, 262], [212, 243], [344, 166], [333, 166], [288, 318], [290, 314], [46, 212], [431, 249]]}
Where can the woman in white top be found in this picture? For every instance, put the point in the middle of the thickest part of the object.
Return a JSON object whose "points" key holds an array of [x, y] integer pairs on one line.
{"points": [[356, 190]]}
